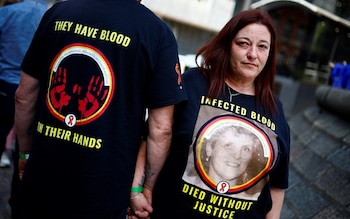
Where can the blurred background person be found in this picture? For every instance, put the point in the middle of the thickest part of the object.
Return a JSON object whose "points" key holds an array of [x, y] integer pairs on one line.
{"points": [[18, 23]]}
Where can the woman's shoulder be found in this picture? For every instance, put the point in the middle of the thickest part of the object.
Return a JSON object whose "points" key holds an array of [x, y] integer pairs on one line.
{"points": [[278, 102], [280, 117], [193, 74], [194, 81], [191, 71]]}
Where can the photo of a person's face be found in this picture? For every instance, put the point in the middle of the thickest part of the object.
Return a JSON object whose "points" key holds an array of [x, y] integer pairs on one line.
{"points": [[229, 154]]}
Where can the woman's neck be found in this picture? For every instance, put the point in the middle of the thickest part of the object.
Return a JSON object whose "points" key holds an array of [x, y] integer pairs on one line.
{"points": [[242, 87]]}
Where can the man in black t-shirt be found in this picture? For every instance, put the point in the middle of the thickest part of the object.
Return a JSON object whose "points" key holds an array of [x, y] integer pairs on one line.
{"points": [[92, 69]]}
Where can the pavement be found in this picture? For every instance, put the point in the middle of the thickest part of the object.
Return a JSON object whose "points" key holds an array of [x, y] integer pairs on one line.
{"points": [[319, 186], [319, 176]]}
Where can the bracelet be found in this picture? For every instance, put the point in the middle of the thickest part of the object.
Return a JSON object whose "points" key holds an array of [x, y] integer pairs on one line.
{"points": [[137, 189], [135, 197], [23, 156]]}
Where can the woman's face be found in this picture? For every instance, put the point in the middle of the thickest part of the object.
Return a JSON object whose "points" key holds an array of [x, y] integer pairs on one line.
{"points": [[230, 155], [249, 51]]}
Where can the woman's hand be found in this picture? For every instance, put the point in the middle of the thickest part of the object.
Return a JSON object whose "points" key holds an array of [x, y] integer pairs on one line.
{"points": [[141, 207], [21, 166]]}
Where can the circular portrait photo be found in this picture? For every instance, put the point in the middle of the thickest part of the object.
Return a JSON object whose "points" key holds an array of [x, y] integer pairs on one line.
{"points": [[231, 155]]}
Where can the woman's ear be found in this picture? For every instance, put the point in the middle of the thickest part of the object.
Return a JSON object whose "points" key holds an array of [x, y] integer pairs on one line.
{"points": [[208, 150]]}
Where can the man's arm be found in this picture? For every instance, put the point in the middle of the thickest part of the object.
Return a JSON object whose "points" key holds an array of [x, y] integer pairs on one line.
{"points": [[160, 122], [25, 107], [277, 196], [151, 160]]}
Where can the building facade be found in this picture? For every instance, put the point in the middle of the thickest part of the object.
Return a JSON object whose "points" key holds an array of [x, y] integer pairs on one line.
{"points": [[312, 35], [192, 21]]}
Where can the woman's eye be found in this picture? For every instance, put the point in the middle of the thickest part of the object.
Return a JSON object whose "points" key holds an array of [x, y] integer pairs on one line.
{"points": [[228, 146], [264, 47], [242, 43]]}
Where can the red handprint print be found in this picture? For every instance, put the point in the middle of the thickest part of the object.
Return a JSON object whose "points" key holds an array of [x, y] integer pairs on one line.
{"points": [[58, 95], [95, 94]]}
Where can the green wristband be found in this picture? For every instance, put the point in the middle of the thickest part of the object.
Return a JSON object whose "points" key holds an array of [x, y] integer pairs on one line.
{"points": [[23, 156], [137, 189]]}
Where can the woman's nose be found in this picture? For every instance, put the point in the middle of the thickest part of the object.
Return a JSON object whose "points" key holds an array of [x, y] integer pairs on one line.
{"points": [[252, 53]]}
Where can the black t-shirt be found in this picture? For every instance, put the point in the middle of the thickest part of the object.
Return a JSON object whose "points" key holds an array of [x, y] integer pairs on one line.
{"points": [[100, 64], [225, 155]]}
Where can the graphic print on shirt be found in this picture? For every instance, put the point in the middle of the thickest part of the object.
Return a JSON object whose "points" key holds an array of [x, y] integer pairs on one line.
{"points": [[79, 94], [229, 160], [231, 155]]}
